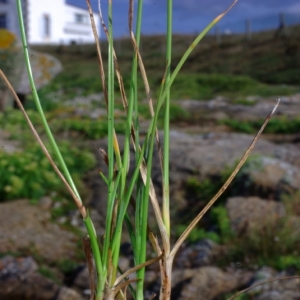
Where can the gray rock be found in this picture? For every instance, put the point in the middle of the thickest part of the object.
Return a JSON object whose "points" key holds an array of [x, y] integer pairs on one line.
{"points": [[11, 267], [197, 255], [207, 156], [28, 227], [257, 109], [11, 60], [82, 279], [19, 280], [207, 282], [68, 294], [44, 68], [269, 173], [276, 295], [247, 213], [280, 289]]}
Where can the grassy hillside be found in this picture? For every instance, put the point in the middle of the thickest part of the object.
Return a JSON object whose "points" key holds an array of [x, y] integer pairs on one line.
{"points": [[265, 59]]}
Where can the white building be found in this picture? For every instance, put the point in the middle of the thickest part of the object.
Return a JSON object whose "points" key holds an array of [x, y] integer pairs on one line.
{"points": [[49, 21]]}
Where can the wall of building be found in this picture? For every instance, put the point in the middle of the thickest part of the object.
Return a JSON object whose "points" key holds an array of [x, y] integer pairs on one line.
{"points": [[77, 25], [45, 21], [8, 9], [51, 22]]}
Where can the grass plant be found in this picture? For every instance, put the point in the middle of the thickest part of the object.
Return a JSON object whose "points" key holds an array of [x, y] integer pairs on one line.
{"points": [[130, 189]]}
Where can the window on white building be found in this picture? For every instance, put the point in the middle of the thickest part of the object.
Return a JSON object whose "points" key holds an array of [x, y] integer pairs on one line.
{"points": [[81, 18], [3, 21], [46, 26]]}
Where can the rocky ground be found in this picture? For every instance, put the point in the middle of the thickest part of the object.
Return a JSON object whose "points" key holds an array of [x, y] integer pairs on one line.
{"points": [[197, 153]]}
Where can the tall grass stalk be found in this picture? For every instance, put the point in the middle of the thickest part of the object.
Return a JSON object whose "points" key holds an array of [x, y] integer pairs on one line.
{"points": [[130, 188], [65, 175], [166, 184]]}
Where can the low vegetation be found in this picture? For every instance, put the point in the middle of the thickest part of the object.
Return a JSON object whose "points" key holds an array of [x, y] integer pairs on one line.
{"points": [[277, 125], [28, 174]]}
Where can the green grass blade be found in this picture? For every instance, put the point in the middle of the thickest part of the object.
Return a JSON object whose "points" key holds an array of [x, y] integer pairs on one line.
{"points": [[101, 276], [38, 104], [166, 161], [125, 202], [132, 110], [87, 220], [192, 46], [110, 152]]}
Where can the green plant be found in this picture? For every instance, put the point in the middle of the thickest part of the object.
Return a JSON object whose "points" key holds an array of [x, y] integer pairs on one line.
{"points": [[284, 262], [279, 125], [220, 217], [198, 234], [66, 266], [49, 273], [124, 189], [243, 101], [28, 174], [202, 190], [270, 243]]}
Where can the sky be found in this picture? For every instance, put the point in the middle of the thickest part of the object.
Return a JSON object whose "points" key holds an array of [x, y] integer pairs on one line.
{"points": [[191, 16]]}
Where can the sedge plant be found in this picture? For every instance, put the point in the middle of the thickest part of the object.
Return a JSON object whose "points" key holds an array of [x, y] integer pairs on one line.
{"points": [[135, 189]]}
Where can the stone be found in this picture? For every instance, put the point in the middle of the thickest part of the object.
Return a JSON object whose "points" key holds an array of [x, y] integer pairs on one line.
{"points": [[275, 295], [26, 227], [257, 108], [44, 68], [280, 289], [66, 293], [11, 63], [82, 280], [17, 267], [247, 213], [19, 280], [206, 283], [197, 255], [271, 173], [206, 156]]}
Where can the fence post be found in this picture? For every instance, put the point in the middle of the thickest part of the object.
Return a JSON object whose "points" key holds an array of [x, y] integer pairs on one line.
{"points": [[163, 46], [218, 35], [118, 46], [248, 30], [281, 30]]}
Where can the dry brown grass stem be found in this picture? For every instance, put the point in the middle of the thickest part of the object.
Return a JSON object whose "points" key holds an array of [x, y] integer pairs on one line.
{"points": [[225, 185]]}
